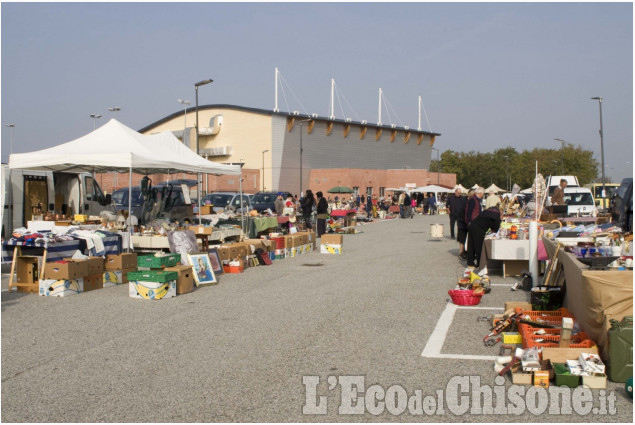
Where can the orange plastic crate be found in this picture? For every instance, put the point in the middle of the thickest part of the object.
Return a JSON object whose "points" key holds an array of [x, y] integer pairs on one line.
{"points": [[552, 339]]}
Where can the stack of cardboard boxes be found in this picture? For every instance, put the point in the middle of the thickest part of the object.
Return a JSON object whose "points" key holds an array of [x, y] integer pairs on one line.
{"points": [[116, 268], [153, 281]]}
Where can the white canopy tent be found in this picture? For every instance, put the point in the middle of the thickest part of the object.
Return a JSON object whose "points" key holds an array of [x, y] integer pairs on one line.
{"points": [[433, 188], [463, 189], [493, 188], [116, 147]]}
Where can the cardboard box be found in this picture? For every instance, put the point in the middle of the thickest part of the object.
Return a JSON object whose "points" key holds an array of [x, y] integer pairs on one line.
{"points": [[89, 266], [512, 305], [331, 244], [152, 290], [207, 209], [256, 243], [185, 281], [561, 355], [202, 230], [121, 261], [519, 377], [595, 381], [61, 287], [288, 241], [115, 277], [514, 267], [93, 282], [541, 378], [592, 363], [223, 252], [27, 269], [63, 270]]}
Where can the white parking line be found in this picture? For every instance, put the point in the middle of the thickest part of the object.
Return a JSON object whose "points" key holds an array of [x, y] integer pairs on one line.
{"points": [[437, 338]]}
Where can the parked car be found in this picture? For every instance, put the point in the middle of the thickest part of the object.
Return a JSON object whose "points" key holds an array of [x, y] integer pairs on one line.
{"points": [[622, 205], [580, 202], [262, 201], [120, 198], [227, 201], [602, 202]]}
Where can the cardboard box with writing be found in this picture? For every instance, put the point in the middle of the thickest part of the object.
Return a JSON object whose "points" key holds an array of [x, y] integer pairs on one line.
{"points": [[207, 209], [61, 287], [202, 230], [224, 252], [89, 266], [63, 270], [152, 290], [120, 261], [331, 244], [185, 281], [115, 277]]}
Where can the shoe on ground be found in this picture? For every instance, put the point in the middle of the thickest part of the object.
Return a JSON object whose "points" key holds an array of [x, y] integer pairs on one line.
{"points": [[463, 256]]}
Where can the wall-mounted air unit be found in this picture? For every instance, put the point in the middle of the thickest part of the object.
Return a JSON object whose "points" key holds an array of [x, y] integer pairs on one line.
{"points": [[314, 115], [215, 124]]}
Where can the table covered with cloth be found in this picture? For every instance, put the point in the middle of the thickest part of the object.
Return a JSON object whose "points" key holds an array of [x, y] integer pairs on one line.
{"points": [[59, 249], [594, 296]]}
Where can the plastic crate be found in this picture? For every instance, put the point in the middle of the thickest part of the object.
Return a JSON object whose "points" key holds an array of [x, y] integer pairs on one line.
{"points": [[159, 276], [551, 338], [464, 297], [547, 317], [155, 262]]}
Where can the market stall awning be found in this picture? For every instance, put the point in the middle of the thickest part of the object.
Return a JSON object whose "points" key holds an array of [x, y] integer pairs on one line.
{"points": [[432, 188], [116, 147], [493, 188], [463, 189], [340, 189]]}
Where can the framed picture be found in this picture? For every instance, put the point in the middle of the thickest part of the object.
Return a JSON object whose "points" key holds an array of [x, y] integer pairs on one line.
{"points": [[214, 258], [202, 267], [182, 242]]}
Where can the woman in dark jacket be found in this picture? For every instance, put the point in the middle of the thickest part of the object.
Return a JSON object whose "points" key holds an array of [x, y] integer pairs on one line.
{"points": [[488, 219], [322, 214], [307, 207]]}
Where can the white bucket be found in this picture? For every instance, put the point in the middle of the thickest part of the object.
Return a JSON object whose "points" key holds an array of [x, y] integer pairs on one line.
{"points": [[436, 230], [382, 214]]}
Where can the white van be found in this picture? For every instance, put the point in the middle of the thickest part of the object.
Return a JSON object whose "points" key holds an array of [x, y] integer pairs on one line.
{"points": [[554, 181], [580, 202], [67, 193]]}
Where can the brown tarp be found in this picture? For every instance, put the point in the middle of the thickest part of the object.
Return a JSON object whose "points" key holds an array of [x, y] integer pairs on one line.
{"points": [[594, 297]]}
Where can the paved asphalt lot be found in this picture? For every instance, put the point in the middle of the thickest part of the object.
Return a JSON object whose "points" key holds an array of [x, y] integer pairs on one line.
{"points": [[238, 351]]}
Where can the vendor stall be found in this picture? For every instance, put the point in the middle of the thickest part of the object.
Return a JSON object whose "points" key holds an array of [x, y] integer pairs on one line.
{"points": [[594, 296], [348, 216]]}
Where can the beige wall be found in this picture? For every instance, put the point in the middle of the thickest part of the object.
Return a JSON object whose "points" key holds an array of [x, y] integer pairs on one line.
{"points": [[247, 133]]}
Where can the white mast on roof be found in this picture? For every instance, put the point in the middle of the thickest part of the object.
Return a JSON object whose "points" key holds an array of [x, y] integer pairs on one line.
{"points": [[275, 106], [332, 112], [419, 128], [379, 120]]}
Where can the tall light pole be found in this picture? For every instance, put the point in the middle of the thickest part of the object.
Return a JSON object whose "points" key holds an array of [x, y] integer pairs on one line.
{"points": [[94, 117], [556, 165], [196, 86], [438, 165], [506, 172], [263, 168], [184, 103], [11, 126], [301, 150], [115, 110], [562, 150], [599, 99]]}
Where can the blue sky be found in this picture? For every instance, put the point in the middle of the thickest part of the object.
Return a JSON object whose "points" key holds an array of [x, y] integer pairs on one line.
{"points": [[491, 75]]}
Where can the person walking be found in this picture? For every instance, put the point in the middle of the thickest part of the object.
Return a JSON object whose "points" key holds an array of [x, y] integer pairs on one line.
{"points": [[413, 205], [489, 219], [402, 196], [473, 208], [322, 211], [432, 202], [369, 206], [455, 203], [307, 208], [407, 206]]}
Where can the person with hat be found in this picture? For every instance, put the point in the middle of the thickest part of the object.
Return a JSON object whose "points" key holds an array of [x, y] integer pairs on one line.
{"points": [[279, 203], [493, 200]]}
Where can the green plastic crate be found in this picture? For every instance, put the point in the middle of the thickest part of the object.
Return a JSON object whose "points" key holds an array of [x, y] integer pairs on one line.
{"points": [[158, 262], [152, 276]]}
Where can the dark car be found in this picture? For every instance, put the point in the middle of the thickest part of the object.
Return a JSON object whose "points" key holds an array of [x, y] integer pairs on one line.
{"points": [[621, 205], [262, 201], [120, 198]]}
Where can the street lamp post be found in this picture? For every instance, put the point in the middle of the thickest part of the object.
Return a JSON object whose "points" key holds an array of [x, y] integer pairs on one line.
{"points": [[263, 168], [196, 86], [438, 165], [562, 151], [11, 126], [94, 117], [599, 99], [115, 110], [184, 103], [506, 172], [556, 165]]}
